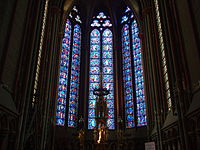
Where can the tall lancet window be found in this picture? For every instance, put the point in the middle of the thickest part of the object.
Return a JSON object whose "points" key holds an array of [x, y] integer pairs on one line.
{"points": [[101, 53], [68, 86], [133, 80]]}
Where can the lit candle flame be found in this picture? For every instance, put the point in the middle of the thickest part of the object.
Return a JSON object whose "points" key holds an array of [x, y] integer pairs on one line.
{"points": [[99, 140]]}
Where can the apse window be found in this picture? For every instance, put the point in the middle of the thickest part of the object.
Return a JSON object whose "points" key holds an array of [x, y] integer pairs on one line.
{"points": [[69, 75], [133, 76], [101, 62]]}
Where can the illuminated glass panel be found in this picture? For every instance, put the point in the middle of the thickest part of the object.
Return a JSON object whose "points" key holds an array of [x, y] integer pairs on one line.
{"points": [[127, 9], [101, 16], [96, 23], [63, 76], [94, 75], [139, 79], [69, 71], [101, 49], [107, 23], [127, 78], [124, 19], [78, 19], [74, 81], [107, 57], [133, 76], [75, 9]]}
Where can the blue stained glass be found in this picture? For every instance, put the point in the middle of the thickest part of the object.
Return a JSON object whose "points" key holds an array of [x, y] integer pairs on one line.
{"points": [[60, 121], [91, 113], [110, 123], [94, 78], [107, 78], [107, 34], [60, 118], [94, 86], [62, 82], [72, 104], [129, 90], [75, 67], [95, 62], [78, 19], [92, 103], [107, 62], [107, 41], [138, 69], [130, 124], [107, 70], [92, 96], [126, 54], [128, 96], [74, 81], [96, 23], [94, 70], [61, 101], [108, 86], [129, 110], [127, 84], [62, 87], [127, 9], [127, 73], [95, 33], [110, 95], [72, 110], [71, 123], [94, 55], [130, 117], [95, 48], [107, 48], [110, 103], [62, 94], [107, 56], [61, 108], [63, 74], [126, 60], [129, 103], [95, 41], [111, 113], [101, 16], [66, 56], [91, 123], [127, 65], [124, 19], [107, 23]]}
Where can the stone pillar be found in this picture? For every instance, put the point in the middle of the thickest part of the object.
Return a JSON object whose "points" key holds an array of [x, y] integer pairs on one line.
{"points": [[150, 51], [48, 86]]}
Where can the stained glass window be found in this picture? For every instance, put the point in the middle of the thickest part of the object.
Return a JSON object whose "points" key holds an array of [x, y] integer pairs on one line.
{"points": [[133, 77], [127, 77], [69, 73], [107, 59], [101, 49], [63, 79], [74, 81], [139, 77], [94, 75]]}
